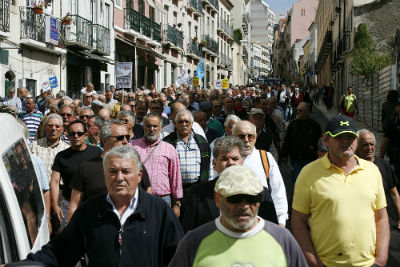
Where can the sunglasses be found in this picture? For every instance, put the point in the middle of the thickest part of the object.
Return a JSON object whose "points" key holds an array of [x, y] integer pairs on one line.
{"points": [[84, 116], [76, 133], [237, 199], [249, 136], [121, 137], [65, 114]]}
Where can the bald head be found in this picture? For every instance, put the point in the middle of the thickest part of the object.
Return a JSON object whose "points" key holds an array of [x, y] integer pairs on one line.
{"points": [[201, 118], [105, 114]]}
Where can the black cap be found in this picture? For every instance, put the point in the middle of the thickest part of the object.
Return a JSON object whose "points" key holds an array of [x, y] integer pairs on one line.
{"points": [[206, 105], [340, 124]]}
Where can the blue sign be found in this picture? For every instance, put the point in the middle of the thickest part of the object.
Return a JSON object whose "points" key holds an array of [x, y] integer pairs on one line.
{"points": [[52, 30], [53, 82]]}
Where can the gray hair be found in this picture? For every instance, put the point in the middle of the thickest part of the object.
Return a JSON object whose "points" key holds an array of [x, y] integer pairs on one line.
{"points": [[11, 89], [153, 114], [105, 130], [184, 112], [127, 113], [230, 118], [98, 121], [54, 105], [53, 116], [226, 144], [89, 109], [365, 131], [125, 152]]}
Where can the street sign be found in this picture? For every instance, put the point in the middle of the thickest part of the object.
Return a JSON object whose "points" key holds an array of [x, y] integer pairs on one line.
{"points": [[123, 75], [218, 84], [225, 83], [51, 30], [53, 82], [196, 81]]}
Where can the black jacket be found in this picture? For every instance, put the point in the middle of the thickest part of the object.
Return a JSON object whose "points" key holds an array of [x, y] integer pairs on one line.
{"points": [[201, 208], [149, 236]]}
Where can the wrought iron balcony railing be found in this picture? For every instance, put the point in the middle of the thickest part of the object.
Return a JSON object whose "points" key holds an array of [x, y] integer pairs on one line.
{"points": [[194, 48], [195, 6], [101, 39], [172, 35], [138, 22], [211, 44], [225, 27], [33, 26], [79, 32], [4, 15]]}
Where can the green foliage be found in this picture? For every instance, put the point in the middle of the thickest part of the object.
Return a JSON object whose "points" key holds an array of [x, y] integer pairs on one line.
{"points": [[365, 59], [237, 36]]}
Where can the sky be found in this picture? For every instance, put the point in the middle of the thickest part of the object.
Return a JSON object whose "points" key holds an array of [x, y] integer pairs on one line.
{"points": [[280, 6]]}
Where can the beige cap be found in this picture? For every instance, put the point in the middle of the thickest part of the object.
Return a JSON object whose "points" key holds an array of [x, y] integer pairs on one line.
{"points": [[237, 180]]}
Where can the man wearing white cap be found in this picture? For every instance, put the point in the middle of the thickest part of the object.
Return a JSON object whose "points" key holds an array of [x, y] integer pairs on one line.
{"points": [[238, 236]]}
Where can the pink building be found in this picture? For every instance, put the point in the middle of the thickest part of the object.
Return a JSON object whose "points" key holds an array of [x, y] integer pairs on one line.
{"points": [[300, 18]]}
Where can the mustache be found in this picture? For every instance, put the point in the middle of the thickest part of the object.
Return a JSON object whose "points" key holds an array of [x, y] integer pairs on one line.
{"points": [[184, 128]]}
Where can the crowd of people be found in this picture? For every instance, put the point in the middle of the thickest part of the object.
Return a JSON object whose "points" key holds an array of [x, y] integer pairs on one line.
{"points": [[131, 172]]}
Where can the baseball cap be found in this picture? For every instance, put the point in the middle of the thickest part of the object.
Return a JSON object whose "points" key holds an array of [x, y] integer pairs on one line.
{"points": [[340, 124], [237, 180], [255, 111]]}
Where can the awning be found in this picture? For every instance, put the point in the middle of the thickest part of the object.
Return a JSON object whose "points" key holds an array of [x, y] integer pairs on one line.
{"points": [[151, 3], [97, 57], [150, 50]]}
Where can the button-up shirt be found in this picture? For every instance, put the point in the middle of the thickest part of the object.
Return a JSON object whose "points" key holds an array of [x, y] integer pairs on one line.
{"points": [[189, 159], [129, 211], [43, 150], [162, 166], [32, 120]]}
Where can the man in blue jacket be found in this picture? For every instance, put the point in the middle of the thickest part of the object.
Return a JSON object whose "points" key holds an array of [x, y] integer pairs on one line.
{"points": [[124, 227]]}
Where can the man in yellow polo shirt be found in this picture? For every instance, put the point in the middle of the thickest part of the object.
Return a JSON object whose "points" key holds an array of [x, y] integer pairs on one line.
{"points": [[341, 198]]}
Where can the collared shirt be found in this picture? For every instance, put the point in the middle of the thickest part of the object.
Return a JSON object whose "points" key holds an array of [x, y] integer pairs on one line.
{"points": [[47, 153], [129, 211], [32, 121], [189, 158], [162, 166], [166, 130], [278, 190], [341, 206], [15, 101]]}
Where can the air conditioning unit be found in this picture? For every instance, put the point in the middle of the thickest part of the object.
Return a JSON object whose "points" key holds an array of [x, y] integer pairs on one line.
{"points": [[70, 33]]}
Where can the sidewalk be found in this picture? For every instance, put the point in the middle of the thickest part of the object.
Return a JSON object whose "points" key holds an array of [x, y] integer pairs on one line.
{"points": [[360, 125]]}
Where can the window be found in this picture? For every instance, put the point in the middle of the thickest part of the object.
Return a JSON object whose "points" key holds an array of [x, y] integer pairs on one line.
{"points": [[118, 4], [195, 32], [141, 6], [303, 12], [175, 18], [172, 74], [151, 13], [74, 7], [107, 17], [165, 74], [29, 195], [93, 11], [190, 29]]}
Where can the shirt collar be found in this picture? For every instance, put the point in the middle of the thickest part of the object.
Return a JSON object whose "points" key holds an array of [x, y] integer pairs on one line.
{"points": [[326, 163], [129, 211]]}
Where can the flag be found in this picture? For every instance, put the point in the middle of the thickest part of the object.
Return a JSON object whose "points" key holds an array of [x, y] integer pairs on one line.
{"points": [[200, 70]]}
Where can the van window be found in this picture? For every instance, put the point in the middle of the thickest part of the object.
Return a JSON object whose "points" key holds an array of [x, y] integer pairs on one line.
{"points": [[26, 187]]}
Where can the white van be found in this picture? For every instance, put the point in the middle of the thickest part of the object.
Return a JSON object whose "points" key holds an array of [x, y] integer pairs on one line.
{"points": [[23, 218]]}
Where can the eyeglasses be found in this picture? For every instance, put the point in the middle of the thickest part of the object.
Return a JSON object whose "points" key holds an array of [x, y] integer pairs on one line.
{"points": [[121, 137], [65, 115], [84, 116], [55, 125], [237, 199], [76, 133], [249, 136], [88, 96]]}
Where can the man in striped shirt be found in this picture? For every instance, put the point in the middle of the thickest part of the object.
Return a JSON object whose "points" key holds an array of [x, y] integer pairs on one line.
{"points": [[12, 100], [31, 118]]}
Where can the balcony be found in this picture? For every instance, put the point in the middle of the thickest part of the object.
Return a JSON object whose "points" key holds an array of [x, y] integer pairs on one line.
{"points": [[195, 6], [174, 37], [213, 4], [79, 33], [40, 31], [141, 26], [101, 40], [194, 49], [225, 28], [324, 52], [211, 46], [4, 18], [225, 61]]}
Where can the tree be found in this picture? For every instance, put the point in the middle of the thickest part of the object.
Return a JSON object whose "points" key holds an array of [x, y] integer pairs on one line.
{"points": [[365, 59]]}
